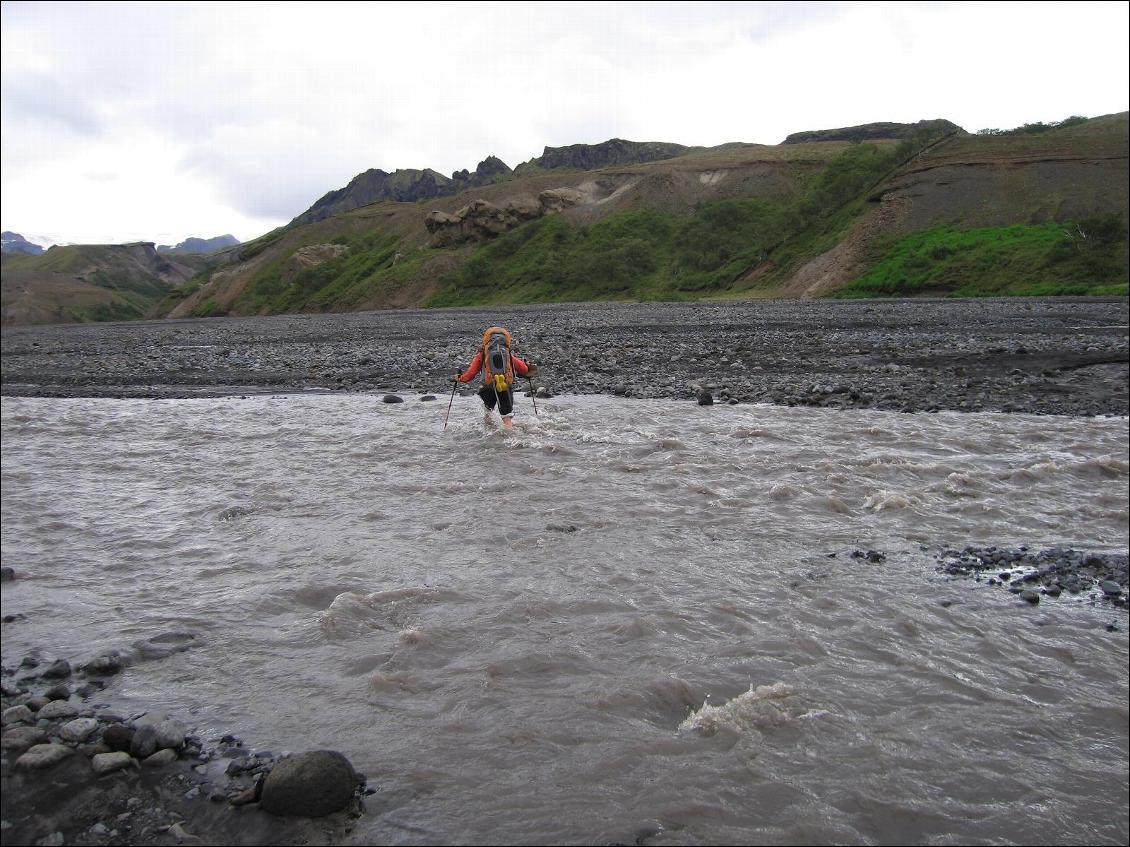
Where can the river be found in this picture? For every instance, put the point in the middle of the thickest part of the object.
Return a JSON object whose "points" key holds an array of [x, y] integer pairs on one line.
{"points": [[625, 621]]}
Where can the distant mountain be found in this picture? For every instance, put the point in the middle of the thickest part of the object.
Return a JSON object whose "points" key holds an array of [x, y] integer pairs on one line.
{"points": [[405, 185], [13, 242], [874, 132], [615, 151], [85, 282], [410, 185], [200, 245]]}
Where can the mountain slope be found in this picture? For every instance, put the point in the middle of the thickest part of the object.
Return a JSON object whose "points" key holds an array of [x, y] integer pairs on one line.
{"points": [[801, 219], [87, 282]]}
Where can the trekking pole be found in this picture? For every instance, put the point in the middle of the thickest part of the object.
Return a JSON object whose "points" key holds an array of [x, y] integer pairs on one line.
{"points": [[454, 385], [533, 395]]}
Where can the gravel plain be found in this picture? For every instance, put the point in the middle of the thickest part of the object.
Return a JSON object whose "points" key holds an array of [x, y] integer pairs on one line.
{"points": [[1063, 356]]}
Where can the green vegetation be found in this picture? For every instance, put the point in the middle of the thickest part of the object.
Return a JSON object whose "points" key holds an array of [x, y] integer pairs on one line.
{"points": [[1088, 257], [120, 310], [646, 254], [1035, 128], [642, 254], [370, 264]]}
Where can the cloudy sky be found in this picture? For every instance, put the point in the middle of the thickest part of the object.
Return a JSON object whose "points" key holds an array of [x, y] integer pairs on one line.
{"points": [[159, 121]]}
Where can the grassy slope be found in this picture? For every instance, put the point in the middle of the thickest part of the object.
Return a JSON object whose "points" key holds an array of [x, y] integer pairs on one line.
{"points": [[672, 234], [88, 282]]}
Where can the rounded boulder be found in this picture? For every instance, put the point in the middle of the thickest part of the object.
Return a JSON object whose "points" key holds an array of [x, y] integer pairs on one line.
{"points": [[309, 785]]}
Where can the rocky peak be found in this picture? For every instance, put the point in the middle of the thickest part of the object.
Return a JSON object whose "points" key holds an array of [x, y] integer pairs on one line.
{"points": [[13, 242]]}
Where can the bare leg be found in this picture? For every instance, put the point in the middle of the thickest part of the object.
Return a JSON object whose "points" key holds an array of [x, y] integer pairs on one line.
{"points": [[508, 421]]}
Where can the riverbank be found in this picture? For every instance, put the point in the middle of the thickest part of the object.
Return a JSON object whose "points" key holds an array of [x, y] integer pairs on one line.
{"points": [[1061, 356]]}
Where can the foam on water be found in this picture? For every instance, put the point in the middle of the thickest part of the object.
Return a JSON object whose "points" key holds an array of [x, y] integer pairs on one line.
{"points": [[518, 635]]}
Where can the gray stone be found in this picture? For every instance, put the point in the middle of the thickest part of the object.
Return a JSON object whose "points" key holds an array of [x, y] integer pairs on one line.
{"points": [[1110, 588], [9, 689], [161, 758], [705, 398], [22, 737], [170, 734], [109, 762], [118, 737], [57, 709], [58, 669], [36, 703], [144, 742], [150, 719], [58, 691], [7, 574], [1030, 596], [78, 730], [43, 756], [309, 785], [392, 398], [104, 665], [17, 714]]}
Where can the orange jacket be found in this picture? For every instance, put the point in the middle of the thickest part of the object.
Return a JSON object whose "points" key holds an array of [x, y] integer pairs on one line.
{"points": [[520, 367]]}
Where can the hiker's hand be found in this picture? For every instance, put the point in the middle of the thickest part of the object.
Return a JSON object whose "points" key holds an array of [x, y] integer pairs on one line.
{"points": [[455, 377], [531, 370]]}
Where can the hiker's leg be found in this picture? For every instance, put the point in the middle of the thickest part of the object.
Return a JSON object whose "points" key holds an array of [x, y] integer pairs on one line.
{"points": [[489, 398], [506, 408]]}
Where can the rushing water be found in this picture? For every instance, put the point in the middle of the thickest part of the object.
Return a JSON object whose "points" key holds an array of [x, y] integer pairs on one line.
{"points": [[514, 634]]}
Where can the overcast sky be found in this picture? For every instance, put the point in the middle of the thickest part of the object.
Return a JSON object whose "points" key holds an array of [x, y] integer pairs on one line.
{"points": [[159, 121]]}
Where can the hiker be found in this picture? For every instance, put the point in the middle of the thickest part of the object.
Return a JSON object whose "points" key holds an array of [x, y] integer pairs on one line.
{"points": [[500, 368]]}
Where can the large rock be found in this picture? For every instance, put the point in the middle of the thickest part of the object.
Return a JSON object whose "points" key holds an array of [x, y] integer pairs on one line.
{"points": [[110, 762], [170, 735], [309, 785], [144, 742], [554, 200], [480, 220], [78, 730], [58, 709], [309, 257], [118, 738], [43, 756], [17, 714], [20, 738]]}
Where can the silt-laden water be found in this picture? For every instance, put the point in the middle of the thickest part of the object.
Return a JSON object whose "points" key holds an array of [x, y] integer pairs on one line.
{"points": [[514, 634]]}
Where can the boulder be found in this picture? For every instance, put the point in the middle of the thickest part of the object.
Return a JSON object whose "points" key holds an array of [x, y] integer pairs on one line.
{"points": [[170, 735], [78, 730], [104, 763], [309, 785], [43, 756], [118, 738], [554, 200], [17, 714], [58, 709], [20, 738], [144, 742], [58, 669], [309, 257]]}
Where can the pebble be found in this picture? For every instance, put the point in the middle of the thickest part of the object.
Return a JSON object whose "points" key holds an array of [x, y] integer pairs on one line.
{"points": [[392, 398]]}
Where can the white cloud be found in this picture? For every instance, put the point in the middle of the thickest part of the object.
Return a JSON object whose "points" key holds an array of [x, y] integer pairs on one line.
{"points": [[131, 120]]}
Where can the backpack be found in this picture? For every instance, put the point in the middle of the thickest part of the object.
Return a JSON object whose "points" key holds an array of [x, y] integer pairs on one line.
{"points": [[498, 370]]}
